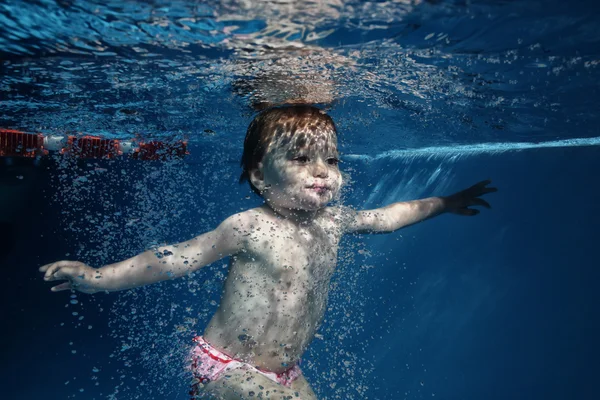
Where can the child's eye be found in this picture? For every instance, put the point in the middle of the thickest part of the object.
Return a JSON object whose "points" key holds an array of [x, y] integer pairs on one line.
{"points": [[301, 159], [333, 161]]}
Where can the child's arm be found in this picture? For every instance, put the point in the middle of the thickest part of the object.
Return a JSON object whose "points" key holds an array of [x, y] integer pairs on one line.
{"points": [[399, 215], [167, 262]]}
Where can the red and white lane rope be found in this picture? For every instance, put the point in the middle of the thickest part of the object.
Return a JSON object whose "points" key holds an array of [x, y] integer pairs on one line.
{"points": [[15, 143]]}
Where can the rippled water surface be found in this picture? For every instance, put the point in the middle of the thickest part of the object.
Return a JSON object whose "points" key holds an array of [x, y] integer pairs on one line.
{"points": [[395, 74]]}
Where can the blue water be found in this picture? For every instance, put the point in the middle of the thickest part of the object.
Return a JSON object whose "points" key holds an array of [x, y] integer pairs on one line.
{"points": [[429, 98]]}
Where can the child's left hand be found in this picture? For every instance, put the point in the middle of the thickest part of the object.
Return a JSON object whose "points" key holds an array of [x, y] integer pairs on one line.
{"points": [[459, 203]]}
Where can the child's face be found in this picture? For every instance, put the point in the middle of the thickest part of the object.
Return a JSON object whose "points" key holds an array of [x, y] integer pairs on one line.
{"points": [[301, 172]]}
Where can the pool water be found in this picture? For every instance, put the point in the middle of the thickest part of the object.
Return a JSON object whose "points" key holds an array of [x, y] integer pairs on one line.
{"points": [[429, 97]]}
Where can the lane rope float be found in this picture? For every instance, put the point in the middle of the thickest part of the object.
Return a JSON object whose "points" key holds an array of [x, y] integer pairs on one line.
{"points": [[14, 143]]}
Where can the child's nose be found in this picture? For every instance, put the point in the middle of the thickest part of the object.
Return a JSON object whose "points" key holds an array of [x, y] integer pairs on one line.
{"points": [[320, 169]]}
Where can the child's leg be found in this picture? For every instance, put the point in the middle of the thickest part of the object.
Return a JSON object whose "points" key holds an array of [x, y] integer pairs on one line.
{"points": [[242, 384]]}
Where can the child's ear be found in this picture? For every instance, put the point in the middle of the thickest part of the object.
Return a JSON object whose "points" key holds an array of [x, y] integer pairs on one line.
{"points": [[257, 178]]}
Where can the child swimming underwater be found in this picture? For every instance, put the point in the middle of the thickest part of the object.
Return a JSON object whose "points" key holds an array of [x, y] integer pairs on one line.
{"points": [[282, 255]]}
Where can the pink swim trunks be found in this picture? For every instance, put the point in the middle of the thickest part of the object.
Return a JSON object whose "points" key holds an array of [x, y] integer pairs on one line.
{"points": [[209, 364]]}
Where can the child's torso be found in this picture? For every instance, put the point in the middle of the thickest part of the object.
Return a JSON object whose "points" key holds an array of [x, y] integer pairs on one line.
{"points": [[276, 292]]}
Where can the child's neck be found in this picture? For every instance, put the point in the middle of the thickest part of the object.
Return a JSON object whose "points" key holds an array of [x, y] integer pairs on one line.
{"points": [[299, 217]]}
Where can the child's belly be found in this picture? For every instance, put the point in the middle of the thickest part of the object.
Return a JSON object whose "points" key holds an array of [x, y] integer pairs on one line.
{"points": [[267, 327]]}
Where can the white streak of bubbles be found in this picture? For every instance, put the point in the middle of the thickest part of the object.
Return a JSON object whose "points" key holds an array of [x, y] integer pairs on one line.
{"points": [[453, 153]]}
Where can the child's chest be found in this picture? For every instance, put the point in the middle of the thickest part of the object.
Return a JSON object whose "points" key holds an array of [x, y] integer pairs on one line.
{"points": [[290, 251]]}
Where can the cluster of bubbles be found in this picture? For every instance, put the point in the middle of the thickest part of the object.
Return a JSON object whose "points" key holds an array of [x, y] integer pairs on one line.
{"points": [[114, 209], [117, 206], [154, 326]]}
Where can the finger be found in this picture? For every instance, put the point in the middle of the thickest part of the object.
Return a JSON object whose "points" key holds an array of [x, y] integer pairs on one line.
{"points": [[467, 212], [51, 269], [477, 189], [489, 190], [57, 272], [479, 186], [480, 202], [64, 273], [62, 286]]}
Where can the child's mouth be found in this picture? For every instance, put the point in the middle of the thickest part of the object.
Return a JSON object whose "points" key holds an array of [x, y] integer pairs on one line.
{"points": [[318, 188]]}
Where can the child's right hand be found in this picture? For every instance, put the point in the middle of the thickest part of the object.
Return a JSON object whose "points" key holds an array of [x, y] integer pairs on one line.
{"points": [[78, 275]]}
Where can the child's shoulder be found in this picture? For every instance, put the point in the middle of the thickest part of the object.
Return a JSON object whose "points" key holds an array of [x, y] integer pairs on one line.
{"points": [[248, 218]]}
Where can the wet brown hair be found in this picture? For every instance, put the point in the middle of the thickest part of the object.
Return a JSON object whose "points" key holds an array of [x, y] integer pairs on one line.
{"points": [[295, 122]]}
